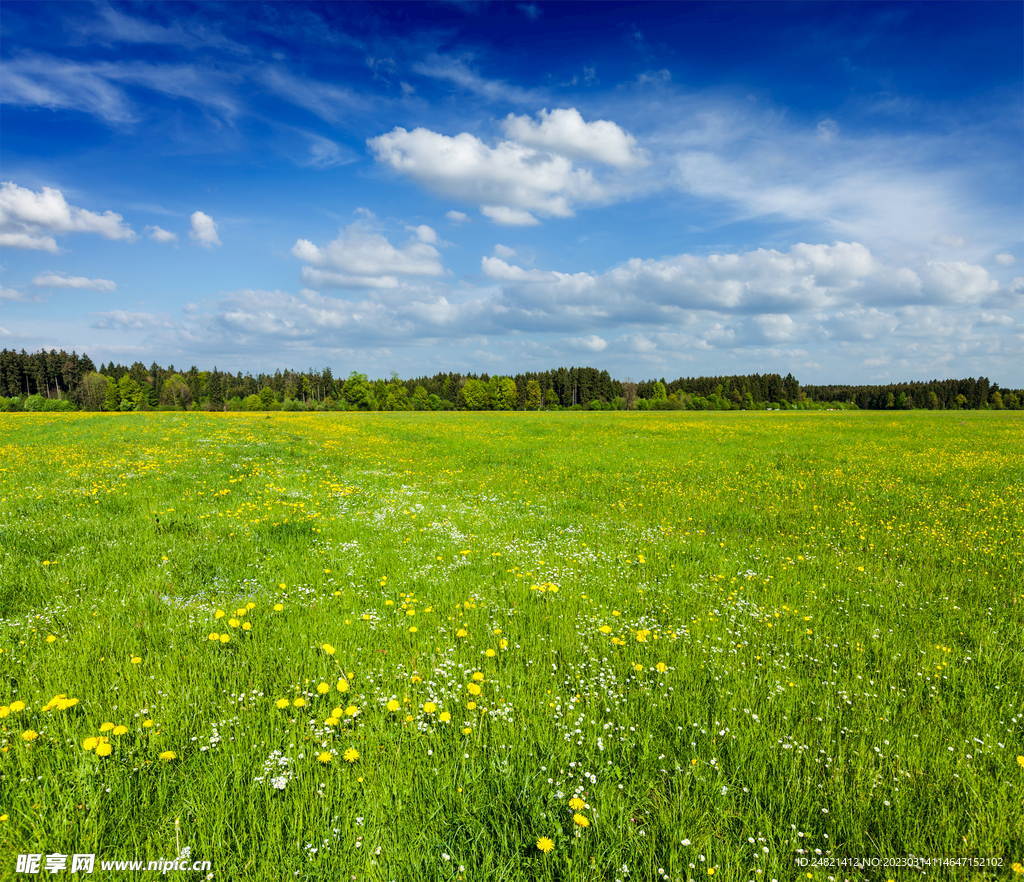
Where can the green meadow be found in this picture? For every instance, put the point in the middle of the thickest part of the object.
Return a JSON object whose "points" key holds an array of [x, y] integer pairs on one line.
{"points": [[752, 647]]}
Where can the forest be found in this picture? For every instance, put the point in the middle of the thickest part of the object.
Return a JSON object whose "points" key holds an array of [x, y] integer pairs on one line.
{"points": [[49, 381]]}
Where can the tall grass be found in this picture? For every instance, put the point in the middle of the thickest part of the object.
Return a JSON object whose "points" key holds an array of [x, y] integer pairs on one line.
{"points": [[742, 641]]}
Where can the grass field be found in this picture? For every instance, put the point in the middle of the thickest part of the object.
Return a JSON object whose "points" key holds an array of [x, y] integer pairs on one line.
{"points": [[514, 646]]}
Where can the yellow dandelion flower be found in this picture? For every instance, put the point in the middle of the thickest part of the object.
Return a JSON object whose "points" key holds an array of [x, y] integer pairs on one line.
{"points": [[106, 727], [324, 757], [342, 686], [545, 845], [490, 653], [17, 707], [327, 648], [444, 716], [461, 632], [3, 817], [278, 607], [393, 705], [219, 614], [323, 688], [90, 743], [247, 626], [299, 702], [429, 707], [467, 731], [119, 730], [282, 703], [168, 755], [1017, 868], [638, 667], [64, 703], [351, 710], [148, 724], [234, 623], [576, 804], [1020, 761], [661, 667], [580, 821], [332, 721], [470, 705], [4, 711], [225, 638], [605, 629], [104, 750], [30, 734], [136, 660], [478, 676], [214, 636], [473, 688], [250, 605], [351, 755], [51, 639]]}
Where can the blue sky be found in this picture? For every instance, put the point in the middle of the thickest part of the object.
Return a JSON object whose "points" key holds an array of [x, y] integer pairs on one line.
{"points": [[662, 189]]}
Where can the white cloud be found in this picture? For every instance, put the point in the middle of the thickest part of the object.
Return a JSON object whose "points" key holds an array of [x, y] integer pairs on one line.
{"points": [[158, 234], [98, 87], [424, 233], [989, 319], [1005, 259], [504, 252], [26, 217], [949, 240], [457, 72], [457, 217], [828, 130], [563, 131], [59, 280], [590, 343], [12, 295], [120, 318], [360, 258], [508, 217], [510, 180], [204, 230], [327, 101], [325, 153]]}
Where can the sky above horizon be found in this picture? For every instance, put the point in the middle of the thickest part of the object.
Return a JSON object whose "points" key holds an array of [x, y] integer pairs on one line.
{"points": [[658, 190]]}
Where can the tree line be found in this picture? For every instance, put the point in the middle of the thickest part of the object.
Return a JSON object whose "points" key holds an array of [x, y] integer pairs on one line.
{"points": [[54, 380]]}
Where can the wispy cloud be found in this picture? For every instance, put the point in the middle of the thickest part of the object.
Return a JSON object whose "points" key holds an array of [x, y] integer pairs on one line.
{"points": [[60, 280]]}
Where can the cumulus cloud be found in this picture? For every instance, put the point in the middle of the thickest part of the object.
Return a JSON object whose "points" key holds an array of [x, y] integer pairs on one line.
{"points": [[424, 233], [564, 131], [164, 237], [204, 230], [30, 220], [457, 217], [504, 252], [361, 258], [59, 280], [12, 295], [1005, 259], [512, 181], [768, 286], [590, 343]]}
